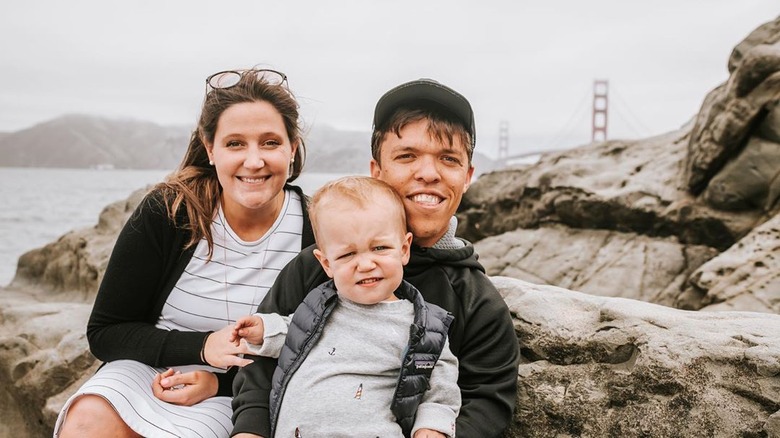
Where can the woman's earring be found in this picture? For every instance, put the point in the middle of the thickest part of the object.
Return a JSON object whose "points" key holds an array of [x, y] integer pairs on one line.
{"points": [[211, 163]]}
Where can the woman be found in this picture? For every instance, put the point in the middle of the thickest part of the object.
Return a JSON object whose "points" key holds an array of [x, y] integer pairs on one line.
{"points": [[201, 250]]}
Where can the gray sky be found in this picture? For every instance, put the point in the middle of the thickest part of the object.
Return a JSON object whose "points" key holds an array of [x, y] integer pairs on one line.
{"points": [[531, 63]]}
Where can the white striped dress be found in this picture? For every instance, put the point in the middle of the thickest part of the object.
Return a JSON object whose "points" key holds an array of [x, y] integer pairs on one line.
{"points": [[207, 297]]}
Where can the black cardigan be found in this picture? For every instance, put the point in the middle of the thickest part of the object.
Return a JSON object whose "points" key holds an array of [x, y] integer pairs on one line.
{"points": [[147, 261]]}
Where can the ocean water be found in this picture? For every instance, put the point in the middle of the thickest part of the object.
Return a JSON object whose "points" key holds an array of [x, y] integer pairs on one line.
{"points": [[37, 206]]}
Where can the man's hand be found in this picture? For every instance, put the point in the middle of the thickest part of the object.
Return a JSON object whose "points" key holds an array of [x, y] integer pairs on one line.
{"points": [[250, 328], [184, 389]]}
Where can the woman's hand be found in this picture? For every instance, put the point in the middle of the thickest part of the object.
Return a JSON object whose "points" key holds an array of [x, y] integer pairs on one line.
{"points": [[219, 350], [184, 389]]}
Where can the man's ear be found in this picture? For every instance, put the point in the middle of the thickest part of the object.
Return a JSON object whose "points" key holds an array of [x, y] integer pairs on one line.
{"points": [[468, 180], [406, 248], [324, 262], [375, 169]]}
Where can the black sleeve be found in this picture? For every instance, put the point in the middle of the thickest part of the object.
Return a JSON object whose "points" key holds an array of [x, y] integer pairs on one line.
{"points": [[301, 275], [121, 325], [488, 360], [251, 395], [225, 382], [252, 385]]}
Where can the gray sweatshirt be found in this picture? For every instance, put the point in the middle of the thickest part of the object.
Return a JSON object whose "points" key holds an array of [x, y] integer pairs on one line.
{"points": [[345, 386]]}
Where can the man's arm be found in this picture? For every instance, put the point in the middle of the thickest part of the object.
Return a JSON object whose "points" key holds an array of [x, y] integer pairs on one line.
{"points": [[488, 358], [252, 385], [439, 407], [252, 392]]}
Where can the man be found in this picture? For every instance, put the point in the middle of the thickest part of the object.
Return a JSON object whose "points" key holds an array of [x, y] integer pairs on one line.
{"points": [[422, 146]]}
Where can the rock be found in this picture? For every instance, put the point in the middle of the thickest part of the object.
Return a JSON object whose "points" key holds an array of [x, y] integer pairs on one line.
{"points": [[769, 128], [596, 367], [767, 33], [600, 262], [44, 355], [745, 277], [73, 266], [624, 186], [591, 186], [747, 181], [43, 352], [730, 112]]}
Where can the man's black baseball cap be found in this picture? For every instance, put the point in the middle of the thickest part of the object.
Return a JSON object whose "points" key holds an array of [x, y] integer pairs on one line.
{"points": [[425, 92]]}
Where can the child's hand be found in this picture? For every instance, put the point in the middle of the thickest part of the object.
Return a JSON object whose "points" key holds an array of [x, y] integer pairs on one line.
{"points": [[250, 328], [428, 433]]}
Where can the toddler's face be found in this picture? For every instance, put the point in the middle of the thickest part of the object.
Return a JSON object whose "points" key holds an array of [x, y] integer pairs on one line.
{"points": [[364, 250]]}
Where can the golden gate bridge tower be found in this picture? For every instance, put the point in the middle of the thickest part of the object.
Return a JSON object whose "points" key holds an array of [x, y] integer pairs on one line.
{"points": [[599, 113], [599, 117], [503, 140]]}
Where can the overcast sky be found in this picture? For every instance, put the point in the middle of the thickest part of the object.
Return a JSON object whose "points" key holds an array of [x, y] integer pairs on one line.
{"points": [[530, 63]]}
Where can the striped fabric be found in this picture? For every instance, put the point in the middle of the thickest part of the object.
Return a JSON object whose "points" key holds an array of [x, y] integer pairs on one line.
{"points": [[208, 296], [126, 384]]}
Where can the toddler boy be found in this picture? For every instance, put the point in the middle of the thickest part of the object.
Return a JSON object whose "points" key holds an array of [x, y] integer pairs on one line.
{"points": [[364, 354]]}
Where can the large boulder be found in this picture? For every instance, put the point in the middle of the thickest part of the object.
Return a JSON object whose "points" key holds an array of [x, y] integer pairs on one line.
{"points": [[43, 354], [626, 186], [731, 112], [600, 262], [73, 266], [614, 367]]}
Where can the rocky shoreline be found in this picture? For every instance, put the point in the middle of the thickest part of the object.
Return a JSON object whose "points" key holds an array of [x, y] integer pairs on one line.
{"points": [[643, 278]]}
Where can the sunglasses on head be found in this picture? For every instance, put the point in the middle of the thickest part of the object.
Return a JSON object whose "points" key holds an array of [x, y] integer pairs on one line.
{"points": [[229, 78]]}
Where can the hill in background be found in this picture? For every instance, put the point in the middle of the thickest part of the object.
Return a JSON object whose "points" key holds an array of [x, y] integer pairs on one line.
{"points": [[84, 141], [81, 141]]}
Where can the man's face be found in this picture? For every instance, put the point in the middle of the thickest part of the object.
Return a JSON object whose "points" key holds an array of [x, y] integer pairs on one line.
{"points": [[430, 176]]}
